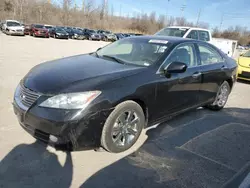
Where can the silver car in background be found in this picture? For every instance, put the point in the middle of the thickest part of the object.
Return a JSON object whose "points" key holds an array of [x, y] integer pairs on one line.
{"points": [[13, 27]]}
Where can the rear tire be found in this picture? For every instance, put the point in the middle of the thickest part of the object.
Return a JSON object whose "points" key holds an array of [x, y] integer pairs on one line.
{"points": [[123, 127], [221, 97]]}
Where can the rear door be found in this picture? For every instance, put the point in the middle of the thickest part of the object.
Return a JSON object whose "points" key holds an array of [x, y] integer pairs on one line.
{"points": [[213, 68], [180, 91]]}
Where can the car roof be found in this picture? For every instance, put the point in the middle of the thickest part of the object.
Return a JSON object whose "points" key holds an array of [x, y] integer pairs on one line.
{"points": [[166, 38], [12, 21], [185, 27]]}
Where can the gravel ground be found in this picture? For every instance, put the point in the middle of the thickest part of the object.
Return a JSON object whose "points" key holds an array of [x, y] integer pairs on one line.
{"points": [[197, 149]]}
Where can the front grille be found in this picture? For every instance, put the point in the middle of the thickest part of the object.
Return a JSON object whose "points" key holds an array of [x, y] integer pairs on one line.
{"points": [[245, 74], [27, 97], [19, 30]]}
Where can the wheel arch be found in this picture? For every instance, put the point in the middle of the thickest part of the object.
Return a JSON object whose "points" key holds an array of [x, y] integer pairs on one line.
{"points": [[139, 101]]}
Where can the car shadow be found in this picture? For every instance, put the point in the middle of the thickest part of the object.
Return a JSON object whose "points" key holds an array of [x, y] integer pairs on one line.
{"points": [[32, 165], [243, 81], [198, 149]]}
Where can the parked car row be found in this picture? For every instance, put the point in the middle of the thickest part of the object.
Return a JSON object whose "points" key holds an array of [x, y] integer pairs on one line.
{"points": [[13, 27]]}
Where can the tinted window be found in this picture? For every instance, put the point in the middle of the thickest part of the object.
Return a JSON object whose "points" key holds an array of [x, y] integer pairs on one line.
{"points": [[204, 35], [193, 35], [185, 54], [209, 55]]}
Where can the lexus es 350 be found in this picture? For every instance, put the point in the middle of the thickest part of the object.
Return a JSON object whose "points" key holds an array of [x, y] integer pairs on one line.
{"points": [[105, 99]]}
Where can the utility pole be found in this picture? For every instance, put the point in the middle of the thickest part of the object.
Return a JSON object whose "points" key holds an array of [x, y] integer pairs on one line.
{"points": [[198, 18], [222, 19], [120, 10]]}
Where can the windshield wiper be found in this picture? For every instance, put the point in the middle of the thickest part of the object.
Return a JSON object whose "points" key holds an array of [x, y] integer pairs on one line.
{"points": [[96, 54], [114, 58]]}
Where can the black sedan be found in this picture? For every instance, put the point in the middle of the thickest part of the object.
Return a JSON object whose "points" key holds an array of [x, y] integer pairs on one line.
{"points": [[58, 33], [78, 34], [107, 97], [92, 35]]}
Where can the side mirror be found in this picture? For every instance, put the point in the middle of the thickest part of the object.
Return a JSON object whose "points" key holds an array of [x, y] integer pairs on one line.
{"points": [[98, 49], [175, 67]]}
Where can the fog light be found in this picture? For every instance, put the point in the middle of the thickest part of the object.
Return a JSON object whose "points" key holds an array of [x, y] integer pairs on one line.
{"points": [[53, 138]]}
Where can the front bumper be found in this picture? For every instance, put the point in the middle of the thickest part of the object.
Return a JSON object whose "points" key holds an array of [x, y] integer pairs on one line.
{"points": [[39, 34], [62, 36], [79, 37], [55, 128], [243, 73], [95, 38], [16, 32]]}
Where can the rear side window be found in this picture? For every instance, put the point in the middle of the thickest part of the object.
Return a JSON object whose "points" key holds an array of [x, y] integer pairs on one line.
{"points": [[193, 35], [209, 55], [204, 35]]}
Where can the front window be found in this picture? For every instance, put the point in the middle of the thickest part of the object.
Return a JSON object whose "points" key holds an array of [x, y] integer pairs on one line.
{"points": [[185, 54], [174, 32], [204, 35], [12, 24], [141, 52], [193, 35]]}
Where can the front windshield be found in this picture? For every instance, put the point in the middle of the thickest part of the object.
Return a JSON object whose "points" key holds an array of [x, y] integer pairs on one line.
{"points": [[59, 30], [13, 24], [76, 31], [92, 31], [247, 54], [174, 32], [39, 26], [107, 32], [48, 27], [141, 52]]}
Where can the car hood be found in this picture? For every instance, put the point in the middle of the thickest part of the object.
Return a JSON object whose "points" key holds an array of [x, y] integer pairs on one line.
{"points": [[244, 61], [16, 27], [65, 75]]}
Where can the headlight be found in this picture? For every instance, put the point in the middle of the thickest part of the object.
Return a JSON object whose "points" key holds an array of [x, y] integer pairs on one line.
{"points": [[71, 100], [76, 34]]}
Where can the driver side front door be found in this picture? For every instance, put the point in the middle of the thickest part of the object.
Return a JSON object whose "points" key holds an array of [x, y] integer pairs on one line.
{"points": [[180, 91]]}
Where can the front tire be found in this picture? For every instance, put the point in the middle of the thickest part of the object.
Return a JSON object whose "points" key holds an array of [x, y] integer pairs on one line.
{"points": [[221, 97], [123, 127]]}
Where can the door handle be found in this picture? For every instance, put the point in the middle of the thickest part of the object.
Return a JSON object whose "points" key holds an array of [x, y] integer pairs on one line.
{"points": [[223, 67], [196, 75]]}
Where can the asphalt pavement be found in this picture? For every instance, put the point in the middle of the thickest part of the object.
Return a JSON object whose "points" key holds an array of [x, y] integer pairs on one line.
{"points": [[200, 148]]}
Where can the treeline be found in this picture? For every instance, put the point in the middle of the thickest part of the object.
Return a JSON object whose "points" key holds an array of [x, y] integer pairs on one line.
{"points": [[89, 15], [102, 16], [241, 34]]}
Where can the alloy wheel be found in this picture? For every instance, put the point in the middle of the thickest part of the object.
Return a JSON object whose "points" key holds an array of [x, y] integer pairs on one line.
{"points": [[222, 95], [125, 128]]}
